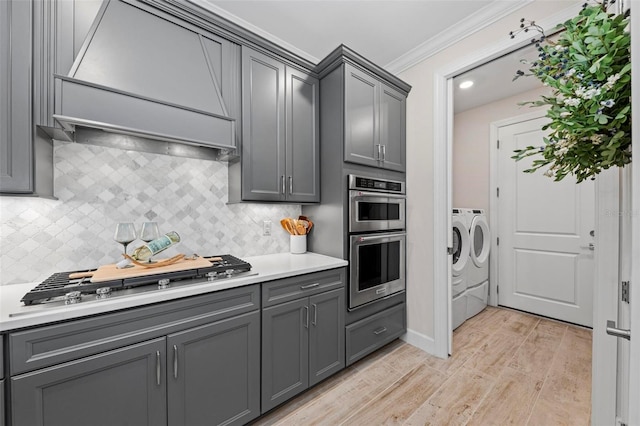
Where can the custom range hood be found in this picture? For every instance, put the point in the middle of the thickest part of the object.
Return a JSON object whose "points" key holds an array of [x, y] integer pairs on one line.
{"points": [[140, 73]]}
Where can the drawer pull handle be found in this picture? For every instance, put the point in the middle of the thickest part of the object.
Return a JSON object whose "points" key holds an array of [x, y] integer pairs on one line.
{"points": [[380, 331], [158, 367], [175, 361], [308, 286]]}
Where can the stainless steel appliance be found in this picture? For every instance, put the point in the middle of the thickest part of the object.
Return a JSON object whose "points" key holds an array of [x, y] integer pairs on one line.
{"points": [[376, 204], [377, 241], [64, 290]]}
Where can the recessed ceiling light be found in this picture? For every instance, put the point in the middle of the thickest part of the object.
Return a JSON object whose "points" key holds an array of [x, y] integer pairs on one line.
{"points": [[466, 84]]}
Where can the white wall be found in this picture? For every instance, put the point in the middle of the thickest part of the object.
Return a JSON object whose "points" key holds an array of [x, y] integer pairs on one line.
{"points": [[420, 285], [471, 147]]}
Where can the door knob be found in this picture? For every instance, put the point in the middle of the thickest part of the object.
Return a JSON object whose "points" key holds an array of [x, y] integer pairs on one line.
{"points": [[591, 246], [618, 332]]}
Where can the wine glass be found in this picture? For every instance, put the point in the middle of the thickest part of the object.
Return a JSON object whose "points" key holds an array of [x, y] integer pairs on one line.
{"points": [[125, 234], [149, 232]]}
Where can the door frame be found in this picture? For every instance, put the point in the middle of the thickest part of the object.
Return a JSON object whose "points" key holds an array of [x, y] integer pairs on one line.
{"points": [[634, 373], [442, 167], [442, 178]]}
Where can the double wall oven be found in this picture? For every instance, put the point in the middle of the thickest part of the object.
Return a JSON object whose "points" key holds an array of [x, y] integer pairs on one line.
{"points": [[377, 239]]}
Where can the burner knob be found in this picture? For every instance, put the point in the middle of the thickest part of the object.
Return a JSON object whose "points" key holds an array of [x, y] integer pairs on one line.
{"points": [[72, 297], [211, 275], [229, 272], [163, 283], [103, 292]]}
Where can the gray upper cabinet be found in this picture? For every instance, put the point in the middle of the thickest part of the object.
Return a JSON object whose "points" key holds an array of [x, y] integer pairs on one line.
{"points": [[374, 121], [90, 391], [16, 130], [263, 131], [38, 38], [363, 113], [393, 110], [361, 98], [280, 139]]}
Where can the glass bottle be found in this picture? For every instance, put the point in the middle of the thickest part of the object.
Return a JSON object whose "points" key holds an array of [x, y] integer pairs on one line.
{"points": [[146, 251]]}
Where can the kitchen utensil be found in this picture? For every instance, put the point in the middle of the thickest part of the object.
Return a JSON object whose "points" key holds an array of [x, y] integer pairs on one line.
{"points": [[286, 224]]}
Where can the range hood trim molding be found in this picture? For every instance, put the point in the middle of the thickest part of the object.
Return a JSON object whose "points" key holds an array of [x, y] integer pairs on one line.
{"points": [[69, 120]]}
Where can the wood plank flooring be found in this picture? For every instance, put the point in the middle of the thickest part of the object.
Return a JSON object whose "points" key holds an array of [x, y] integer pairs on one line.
{"points": [[507, 368]]}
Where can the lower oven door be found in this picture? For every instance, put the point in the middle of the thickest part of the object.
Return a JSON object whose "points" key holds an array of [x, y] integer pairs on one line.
{"points": [[377, 266]]}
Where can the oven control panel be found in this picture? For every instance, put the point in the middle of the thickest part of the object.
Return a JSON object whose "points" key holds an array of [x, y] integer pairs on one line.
{"points": [[372, 184]]}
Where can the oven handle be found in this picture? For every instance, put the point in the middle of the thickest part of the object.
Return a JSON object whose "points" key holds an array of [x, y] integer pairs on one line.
{"points": [[358, 193], [381, 236]]}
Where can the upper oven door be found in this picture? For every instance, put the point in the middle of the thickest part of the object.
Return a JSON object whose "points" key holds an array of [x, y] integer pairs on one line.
{"points": [[374, 211]]}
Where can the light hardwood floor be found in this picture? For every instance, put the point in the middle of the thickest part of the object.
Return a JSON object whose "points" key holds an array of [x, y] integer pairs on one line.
{"points": [[507, 368]]}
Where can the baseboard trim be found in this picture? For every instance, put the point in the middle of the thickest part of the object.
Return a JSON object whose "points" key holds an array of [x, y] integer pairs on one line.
{"points": [[420, 341]]}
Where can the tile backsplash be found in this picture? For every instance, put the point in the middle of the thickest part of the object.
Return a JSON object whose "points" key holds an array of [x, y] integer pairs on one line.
{"points": [[98, 187]]}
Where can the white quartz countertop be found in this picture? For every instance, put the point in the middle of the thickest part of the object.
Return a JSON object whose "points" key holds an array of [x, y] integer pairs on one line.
{"points": [[14, 315]]}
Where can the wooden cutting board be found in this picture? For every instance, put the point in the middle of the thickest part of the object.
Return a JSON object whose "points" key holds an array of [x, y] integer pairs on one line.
{"points": [[111, 272]]}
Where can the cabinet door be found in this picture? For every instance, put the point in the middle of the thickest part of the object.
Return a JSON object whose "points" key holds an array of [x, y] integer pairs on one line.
{"points": [[263, 132], [214, 372], [361, 137], [392, 128], [285, 352], [124, 386], [59, 28], [302, 147], [16, 130], [326, 335], [2, 410]]}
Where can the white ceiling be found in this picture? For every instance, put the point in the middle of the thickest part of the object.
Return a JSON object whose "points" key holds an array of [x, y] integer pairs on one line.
{"points": [[391, 33], [494, 81]]}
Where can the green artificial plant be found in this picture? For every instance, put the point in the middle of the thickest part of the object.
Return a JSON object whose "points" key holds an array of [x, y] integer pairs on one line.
{"points": [[588, 69]]}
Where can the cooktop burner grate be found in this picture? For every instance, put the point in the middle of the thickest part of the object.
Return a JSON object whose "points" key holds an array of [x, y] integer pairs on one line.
{"points": [[59, 284]]}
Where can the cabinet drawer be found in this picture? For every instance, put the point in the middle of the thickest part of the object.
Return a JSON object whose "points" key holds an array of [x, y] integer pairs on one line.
{"points": [[369, 334], [49, 345], [288, 289]]}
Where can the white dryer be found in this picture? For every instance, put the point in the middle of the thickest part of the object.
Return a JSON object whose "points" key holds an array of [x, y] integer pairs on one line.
{"points": [[478, 269], [459, 268]]}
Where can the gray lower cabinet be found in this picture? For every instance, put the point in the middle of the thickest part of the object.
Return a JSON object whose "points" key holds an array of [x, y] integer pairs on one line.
{"points": [[123, 386], [191, 361], [302, 344], [280, 133], [214, 373], [371, 333], [2, 410]]}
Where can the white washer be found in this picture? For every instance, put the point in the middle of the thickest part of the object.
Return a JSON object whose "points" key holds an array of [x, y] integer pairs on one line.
{"points": [[460, 265], [478, 269], [480, 245]]}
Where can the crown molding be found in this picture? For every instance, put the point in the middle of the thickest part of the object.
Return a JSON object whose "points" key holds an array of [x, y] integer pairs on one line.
{"points": [[205, 4], [475, 22]]}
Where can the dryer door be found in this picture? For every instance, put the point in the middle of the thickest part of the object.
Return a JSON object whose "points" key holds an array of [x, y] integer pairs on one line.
{"points": [[461, 245], [480, 240]]}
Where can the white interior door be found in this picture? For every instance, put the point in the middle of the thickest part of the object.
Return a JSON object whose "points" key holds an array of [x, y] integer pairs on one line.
{"points": [[545, 232]]}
